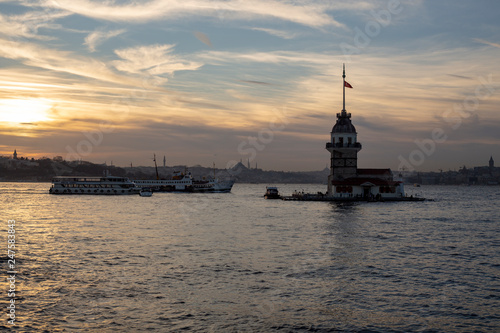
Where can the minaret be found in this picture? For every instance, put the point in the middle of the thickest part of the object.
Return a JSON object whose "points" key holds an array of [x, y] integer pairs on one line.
{"points": [[344, 145], [491, 163], [15, 154]]}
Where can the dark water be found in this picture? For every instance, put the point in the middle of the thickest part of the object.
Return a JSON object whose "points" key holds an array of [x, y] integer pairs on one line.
{"points": [[238, 263]]}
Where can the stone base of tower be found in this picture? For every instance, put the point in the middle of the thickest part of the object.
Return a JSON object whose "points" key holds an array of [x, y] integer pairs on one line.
{"points": [[339, 174], [366, 184], [319, 197], [330, 186]]}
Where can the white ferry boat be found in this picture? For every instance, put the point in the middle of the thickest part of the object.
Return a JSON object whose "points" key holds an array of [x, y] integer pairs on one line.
{"points": [[108, 185], [184, 182], [180, 182]]}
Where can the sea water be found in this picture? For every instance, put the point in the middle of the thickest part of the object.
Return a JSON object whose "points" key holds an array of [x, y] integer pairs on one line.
{"points": [[235, 262]]}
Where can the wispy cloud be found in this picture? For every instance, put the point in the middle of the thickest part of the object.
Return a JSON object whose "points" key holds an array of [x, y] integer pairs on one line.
{"points": [[274, 57], [61, 61], [98, 37], [313, 14], [460, 76], [482, 41], [28, 24], [255, 82], [153, 59], [278, 33]]}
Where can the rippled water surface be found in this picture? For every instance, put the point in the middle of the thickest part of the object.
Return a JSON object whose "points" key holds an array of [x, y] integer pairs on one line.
{"points": [[236, 263]]}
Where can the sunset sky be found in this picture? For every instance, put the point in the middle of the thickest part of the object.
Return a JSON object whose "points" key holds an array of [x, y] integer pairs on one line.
{"points": [[218, 81]]}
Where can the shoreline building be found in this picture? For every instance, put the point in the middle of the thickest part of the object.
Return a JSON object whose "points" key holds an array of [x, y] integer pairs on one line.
{"points": [[346, 180]]}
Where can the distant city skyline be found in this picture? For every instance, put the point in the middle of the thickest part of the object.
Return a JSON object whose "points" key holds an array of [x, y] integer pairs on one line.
{"points": [[204, 82], [489, 164]]}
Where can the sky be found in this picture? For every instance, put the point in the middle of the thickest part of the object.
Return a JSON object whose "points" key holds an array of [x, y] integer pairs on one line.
{"points": [[220, 81]]}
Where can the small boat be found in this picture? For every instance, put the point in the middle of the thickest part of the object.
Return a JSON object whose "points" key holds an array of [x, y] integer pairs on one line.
{"points": [[272, 193], [146, 192]]}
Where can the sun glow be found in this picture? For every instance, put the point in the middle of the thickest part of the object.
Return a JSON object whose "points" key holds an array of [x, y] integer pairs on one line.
{"points": [[24, 110]]}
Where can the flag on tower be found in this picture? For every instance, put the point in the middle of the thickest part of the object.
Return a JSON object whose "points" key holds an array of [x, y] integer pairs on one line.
{"points": [[347, 84]]}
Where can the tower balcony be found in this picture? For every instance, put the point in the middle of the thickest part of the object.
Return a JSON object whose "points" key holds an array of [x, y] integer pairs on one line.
{"points": [[345, 114], [330, 145]]}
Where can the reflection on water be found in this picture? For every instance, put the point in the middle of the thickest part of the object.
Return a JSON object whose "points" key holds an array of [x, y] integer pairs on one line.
{"points": [[236, 262]]}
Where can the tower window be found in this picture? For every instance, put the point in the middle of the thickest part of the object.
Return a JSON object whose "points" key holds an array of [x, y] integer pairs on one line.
{"points": [[349, 140], [341, 141]]}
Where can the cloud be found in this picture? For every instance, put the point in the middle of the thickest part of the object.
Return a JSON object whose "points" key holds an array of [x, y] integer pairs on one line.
{"points": [[274, 57], [313, 14], [460, 76], [62, 61], [277, 33], [238, 95], [98, 37], [482, 41], [153, 59], [28, 24], [255, 82]]}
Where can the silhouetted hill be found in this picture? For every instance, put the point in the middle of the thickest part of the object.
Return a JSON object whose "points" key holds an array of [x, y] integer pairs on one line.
{"points": [[45, 169]]}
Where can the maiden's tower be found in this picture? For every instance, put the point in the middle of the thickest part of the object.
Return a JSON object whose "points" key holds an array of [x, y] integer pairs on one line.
{"points": [[346, 180]]}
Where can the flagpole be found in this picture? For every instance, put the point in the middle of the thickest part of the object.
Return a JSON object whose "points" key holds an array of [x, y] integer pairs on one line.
{"points": [[343, 87]]}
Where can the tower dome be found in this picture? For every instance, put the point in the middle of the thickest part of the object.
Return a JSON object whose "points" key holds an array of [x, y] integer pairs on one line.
{"points": [[343, 124]]}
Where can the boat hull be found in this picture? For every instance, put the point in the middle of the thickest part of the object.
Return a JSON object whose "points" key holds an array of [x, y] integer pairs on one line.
{"points": [[272, 193], [187, 185], [214, 186], [92, 192]]}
